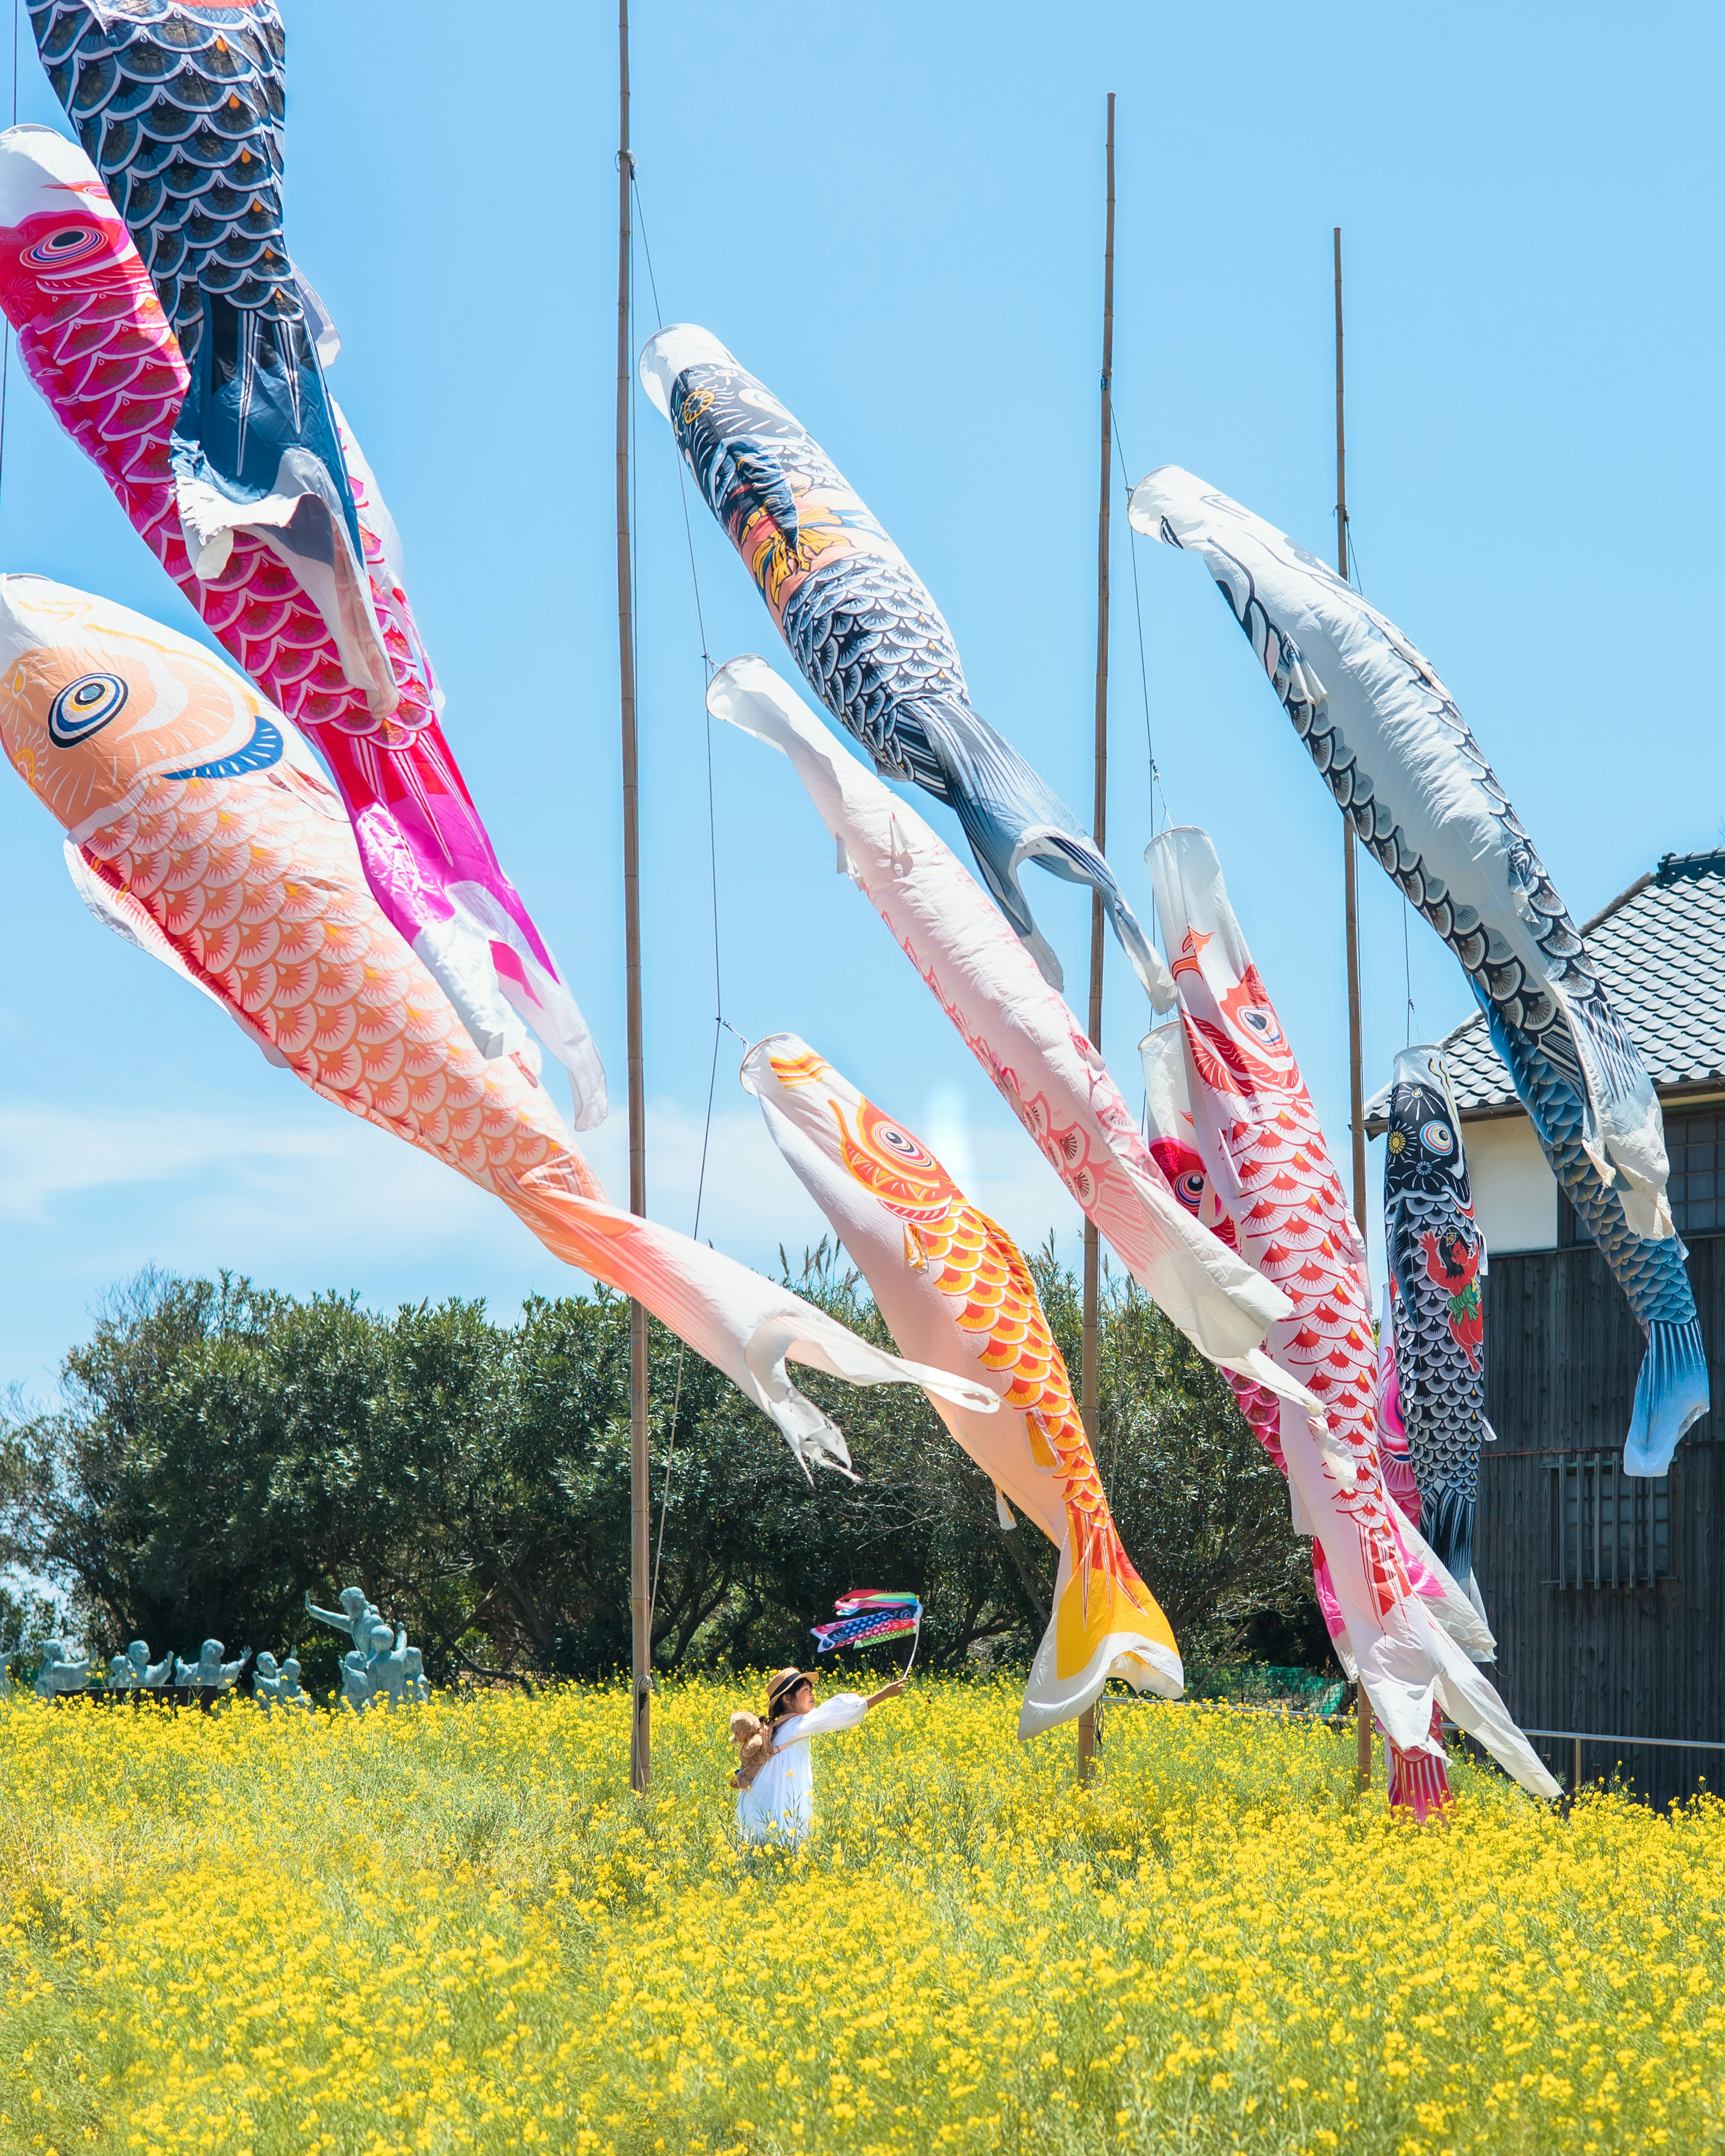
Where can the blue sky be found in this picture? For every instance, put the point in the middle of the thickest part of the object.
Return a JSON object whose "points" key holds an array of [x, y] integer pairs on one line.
{"points": [[894, 216]]}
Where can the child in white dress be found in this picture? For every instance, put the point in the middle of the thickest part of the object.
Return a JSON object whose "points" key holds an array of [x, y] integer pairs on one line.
{"points": [[776, 1775]]}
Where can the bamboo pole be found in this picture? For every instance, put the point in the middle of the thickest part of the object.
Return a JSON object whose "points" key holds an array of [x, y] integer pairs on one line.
{"points": [[1350, 879], [1089, 1722], [640, 1742]]}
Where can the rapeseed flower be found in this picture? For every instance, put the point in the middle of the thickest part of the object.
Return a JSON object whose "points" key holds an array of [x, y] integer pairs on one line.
{"points": [[456, 1930]]}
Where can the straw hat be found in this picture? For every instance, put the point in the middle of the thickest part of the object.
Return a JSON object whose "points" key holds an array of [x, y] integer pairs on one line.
{"points": [[785, 1683]]}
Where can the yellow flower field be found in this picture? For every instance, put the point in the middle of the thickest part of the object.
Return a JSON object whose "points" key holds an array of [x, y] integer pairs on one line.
{"points": [[456, 1930]]}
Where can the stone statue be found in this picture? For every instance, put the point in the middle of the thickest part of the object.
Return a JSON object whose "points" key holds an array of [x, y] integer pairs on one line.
{"points": [[277, 1684], [209, 1672], [356, 1617], [288, 1690], [392, 1680], [358, 1689], [134, 1670], [60, 1671]]}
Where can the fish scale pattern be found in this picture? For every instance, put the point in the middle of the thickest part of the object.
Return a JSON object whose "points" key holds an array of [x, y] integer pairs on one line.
{"points": [[1659, 950], [251, 879], [180, 106], [879, 659], [982, 1272], [1528, 1028], [1435, 1249], [96, 340], [869, 640]]}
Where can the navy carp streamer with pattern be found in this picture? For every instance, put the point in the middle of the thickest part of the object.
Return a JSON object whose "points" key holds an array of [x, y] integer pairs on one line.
{"points": [[1437, 1262], [867, 636], [179, 106], [1406, 771]]}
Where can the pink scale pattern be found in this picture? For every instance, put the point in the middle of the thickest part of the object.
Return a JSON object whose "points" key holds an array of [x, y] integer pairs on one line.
{"points": [[95, 340]]}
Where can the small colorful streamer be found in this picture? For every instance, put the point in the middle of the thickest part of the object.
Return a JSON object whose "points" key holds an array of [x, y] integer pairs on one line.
{"points": [[866, 1615]]}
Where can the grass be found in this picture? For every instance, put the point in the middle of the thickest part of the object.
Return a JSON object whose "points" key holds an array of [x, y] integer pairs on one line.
{"points": [[455, 1930]]}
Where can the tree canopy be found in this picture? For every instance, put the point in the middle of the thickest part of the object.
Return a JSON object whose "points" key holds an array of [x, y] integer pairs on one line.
{"points": [[218, 1449]]}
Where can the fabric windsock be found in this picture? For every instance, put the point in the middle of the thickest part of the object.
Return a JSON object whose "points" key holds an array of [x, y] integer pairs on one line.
{"points": [[1398, 1477], [955, 1290], [203, 833], [1018, 1029], [1264, 1156], [1437, 1264], [1401, 764], [96, 342], [867, 636], [179, 104], [1173, 1141]]}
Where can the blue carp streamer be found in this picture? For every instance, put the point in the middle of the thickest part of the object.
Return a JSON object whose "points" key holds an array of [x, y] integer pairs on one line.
{"points": [[865, 1616], [867, 636], [179, 106], [1437, 1263]]}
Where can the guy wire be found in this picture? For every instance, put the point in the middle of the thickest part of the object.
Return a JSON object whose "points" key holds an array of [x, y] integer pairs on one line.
{"points": [[719, 1021]]}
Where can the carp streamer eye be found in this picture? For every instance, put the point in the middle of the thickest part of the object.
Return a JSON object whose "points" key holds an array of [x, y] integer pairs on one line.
{"points": [[901, 1143], [70, 244], [82, 707], [900, 1146], [1261, 1021], [1437, 1137], [1188, 1189]]}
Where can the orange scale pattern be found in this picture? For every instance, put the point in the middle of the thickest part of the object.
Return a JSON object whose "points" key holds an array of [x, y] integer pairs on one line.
{"points": [[982, 1271], [259, 889]]}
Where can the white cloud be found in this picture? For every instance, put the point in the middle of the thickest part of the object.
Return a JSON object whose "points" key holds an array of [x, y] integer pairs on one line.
{"points": [[47, 1154], [302, 1197]]}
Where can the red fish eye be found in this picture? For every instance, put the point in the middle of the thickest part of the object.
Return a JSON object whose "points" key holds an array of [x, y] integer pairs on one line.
{"points": [[1189, 1189], [900, 1142]]}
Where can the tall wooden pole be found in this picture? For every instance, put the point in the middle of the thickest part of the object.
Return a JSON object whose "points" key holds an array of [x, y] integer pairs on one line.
{"points": [[1088, 1722], [1350, 878], [640, 1745]]}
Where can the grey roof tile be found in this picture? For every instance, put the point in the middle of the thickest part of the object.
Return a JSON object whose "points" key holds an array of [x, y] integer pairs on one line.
{"points": [[1660, 950]]}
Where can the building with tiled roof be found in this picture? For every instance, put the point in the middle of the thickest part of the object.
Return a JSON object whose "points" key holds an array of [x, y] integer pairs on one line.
{"points": [[1659, 948], [1606, 1590]]}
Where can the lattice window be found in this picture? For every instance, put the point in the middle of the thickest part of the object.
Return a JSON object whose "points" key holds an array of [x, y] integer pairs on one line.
{"points": [[1697, 1183], [1695, 1144], [1604, 1528]]}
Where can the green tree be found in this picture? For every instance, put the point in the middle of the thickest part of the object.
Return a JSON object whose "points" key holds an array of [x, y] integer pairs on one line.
{"points": [[218, 1449]]}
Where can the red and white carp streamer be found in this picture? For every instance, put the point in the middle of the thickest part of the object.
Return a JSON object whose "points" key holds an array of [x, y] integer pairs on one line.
{"points": [[1221, 1082], [1018, 1029], [95, 340]]}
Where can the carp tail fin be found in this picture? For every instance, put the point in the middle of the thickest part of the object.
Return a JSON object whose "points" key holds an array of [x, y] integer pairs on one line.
{"points": [[1671, 1394]]}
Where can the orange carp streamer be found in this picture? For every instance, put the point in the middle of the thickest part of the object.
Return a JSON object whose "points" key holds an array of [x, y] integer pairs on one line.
{"points": [[199, 828], [954, 1288]]}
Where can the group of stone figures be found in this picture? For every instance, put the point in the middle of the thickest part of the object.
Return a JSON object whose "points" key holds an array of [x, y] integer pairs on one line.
{"points": [[381, 1669]]}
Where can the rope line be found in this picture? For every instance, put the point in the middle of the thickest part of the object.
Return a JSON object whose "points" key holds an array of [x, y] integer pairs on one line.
{"points": [[1156, 781], [719, 1021]]}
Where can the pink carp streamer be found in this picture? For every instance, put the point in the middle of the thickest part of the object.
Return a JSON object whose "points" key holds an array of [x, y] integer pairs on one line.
{"points": [[95, 340], [1018, 1029], [1223, 1082], [199, 828]]}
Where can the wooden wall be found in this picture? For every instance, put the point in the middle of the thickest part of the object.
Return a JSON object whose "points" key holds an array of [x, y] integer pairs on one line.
{"points": [[1562, 1354]]}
